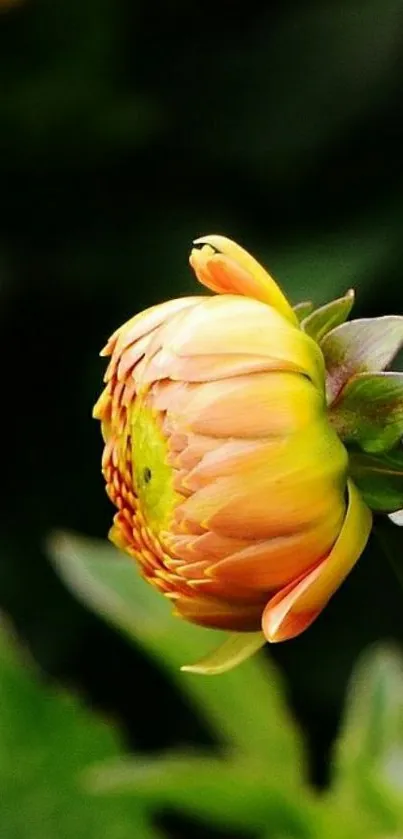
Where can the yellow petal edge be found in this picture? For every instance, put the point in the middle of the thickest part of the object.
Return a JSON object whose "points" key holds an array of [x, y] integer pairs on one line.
{"points": [[233, 651]]}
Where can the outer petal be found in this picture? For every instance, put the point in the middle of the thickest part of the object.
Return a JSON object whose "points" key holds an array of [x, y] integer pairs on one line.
{"points": [[294, 608], [259, 490], [255, 406], [233, 270], [232, 327]]}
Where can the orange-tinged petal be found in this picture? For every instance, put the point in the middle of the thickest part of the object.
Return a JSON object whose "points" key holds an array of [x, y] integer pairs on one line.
{"points": [[256, 513], [217, 613], [223, 326], [294, 608], [268, 564], [234, 270], [259, 405], [195, 548], [314, 453]]}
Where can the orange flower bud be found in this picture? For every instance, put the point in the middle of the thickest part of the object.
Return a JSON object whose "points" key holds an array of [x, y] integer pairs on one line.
{"points": [[230, 482]]}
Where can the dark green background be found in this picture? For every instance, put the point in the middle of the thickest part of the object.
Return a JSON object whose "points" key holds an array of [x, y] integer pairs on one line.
{"points": [[126, 130]]}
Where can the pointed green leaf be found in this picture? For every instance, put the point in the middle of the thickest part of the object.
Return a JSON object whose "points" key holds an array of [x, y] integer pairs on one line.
{"points": [[379, 479], [322, 320], [302, 310], [369, 412], [245, 706], [232, 652], [360, 346]]}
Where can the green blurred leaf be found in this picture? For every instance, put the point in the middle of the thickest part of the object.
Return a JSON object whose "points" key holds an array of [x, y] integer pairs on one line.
{"points": [[369, 411], [379, 478], [47, 739], [229, 794], [245, 706], [368, 768], [327, 317]]}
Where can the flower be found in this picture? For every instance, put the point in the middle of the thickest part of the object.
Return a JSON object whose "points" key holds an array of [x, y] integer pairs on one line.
{"points": [[231, 483]]}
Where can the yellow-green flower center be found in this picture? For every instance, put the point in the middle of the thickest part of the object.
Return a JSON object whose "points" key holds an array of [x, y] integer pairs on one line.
{"points": [[152, 475]]}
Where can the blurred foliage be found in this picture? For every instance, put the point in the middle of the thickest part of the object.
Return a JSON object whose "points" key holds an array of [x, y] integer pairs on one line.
{"points": [[127, 129], [63, 770]]}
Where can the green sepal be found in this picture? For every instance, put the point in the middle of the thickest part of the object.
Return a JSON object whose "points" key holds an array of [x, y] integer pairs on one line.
{"points": [[379, 479], [302, 310], [317, 324], [360, 346], [233, 651], [369, 412]]}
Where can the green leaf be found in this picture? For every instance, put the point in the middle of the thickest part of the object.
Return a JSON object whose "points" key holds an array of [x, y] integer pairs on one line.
{"points": [[47, 739], [244, 706], [368, 766], [379, 479], [360, 346], [369, 412], [322, 320], [302, 310], [228, 794]]}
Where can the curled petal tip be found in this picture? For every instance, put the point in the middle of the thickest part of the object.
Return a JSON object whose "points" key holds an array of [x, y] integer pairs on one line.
{"points": [[226, 267]]}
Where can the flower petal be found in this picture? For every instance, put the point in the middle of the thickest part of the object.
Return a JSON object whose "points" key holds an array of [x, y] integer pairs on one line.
{"points": [[239, 326], [217, 613], [269, 564], [260, 405], [294, 608], [233, 270], [233, 651]]}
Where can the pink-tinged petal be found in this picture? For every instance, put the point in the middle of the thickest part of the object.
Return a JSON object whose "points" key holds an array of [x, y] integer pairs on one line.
{"points": [[294, 608], [146, 322], [259, 405], [131, 356], [167, 365], [196, 448], [236, 459], [234, 270], [241, 326]]}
